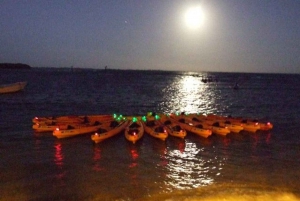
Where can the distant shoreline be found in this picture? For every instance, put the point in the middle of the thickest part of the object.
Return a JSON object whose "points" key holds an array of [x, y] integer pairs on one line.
{"points": [[14, 66]]}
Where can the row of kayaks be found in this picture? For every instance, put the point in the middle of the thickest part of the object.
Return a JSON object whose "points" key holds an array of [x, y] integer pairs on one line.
{"points": [[159, 126]]}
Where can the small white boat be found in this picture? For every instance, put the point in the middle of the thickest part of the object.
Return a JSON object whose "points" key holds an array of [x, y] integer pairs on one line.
{"points": [[11, 88]]}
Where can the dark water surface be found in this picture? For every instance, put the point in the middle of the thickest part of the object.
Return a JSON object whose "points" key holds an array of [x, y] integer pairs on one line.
{"points": [[244, 166]]}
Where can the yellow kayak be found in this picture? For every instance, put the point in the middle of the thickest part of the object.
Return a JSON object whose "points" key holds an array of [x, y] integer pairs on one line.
{"points": [[191, 127], [134, 130], [155, 129], [173, 128], [73, 119], [109, 129], [72, 131]]}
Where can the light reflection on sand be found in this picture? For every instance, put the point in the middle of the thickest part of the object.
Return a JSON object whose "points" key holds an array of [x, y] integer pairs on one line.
{"points": [[228, 192]]}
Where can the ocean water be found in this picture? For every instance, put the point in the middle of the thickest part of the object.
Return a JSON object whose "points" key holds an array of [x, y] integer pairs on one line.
{"points": [[244, 166]]}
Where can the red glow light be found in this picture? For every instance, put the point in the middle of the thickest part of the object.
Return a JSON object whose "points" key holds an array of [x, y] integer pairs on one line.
{"points": [[134, 154]]}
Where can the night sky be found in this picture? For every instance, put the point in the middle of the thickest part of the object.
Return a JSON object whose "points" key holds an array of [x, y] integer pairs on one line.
{"points": [[234, 35]]}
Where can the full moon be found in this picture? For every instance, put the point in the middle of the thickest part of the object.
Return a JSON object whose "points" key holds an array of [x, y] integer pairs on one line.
{"points": [[194, 17]]}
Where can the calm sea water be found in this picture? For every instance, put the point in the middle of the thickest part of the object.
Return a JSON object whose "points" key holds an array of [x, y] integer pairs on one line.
{"points": [[244, 166]]}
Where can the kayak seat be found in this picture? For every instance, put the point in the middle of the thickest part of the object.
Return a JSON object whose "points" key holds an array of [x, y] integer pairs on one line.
{"points": [[159, 129], [199, 126], [168, 122], [216, 124], [195, 119], [70, 127], [176, 128], [181, 120], [85, 119], [97, 123], [101, 130], [134, 125], [113, 124], [150, 123]]}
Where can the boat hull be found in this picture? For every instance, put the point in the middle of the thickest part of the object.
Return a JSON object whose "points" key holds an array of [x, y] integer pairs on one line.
{"points": [[72, 119], [12, 88], [157, 130], [48, 128], [75, 131], [172, 128], [193, 128], [234, 128], [215, 127], [134, 131], [110, 131]]}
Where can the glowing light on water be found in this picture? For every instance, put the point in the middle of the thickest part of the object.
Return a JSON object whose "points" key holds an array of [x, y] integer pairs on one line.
{"points": [[188, 170], [189, 94], [134, 155], [191, 87], [59, 161], [97, 158], [58, 155]]}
